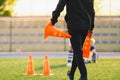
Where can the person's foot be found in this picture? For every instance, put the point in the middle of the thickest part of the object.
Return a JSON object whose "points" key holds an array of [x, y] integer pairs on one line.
{"points": [[69, 64], [94, 61], [69, 76]]}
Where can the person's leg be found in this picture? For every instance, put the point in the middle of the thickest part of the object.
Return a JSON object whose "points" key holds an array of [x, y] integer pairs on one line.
{"points": [[74, 65], [73, 68], [94, 57], [77, 41], [69, 58], [79, 56]]}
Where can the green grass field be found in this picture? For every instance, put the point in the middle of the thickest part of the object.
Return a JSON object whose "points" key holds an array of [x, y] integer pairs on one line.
{"points": [[14, 69]]}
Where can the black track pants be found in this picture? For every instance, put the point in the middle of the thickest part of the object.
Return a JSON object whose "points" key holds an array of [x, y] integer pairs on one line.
{"points": [[77, 40]]}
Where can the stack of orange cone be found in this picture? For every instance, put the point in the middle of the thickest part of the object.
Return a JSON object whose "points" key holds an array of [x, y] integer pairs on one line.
{"points": [[87, 45], [30, 67], [46, 67], [52, 31]]}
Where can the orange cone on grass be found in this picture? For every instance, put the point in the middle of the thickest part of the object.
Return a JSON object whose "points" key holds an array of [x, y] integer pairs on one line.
{"points": [[87, 45], [46, 67], [52, 31], [30, 67]]}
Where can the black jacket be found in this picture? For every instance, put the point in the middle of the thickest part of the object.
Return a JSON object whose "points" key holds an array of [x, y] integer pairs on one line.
{"points": [[79, 13]]}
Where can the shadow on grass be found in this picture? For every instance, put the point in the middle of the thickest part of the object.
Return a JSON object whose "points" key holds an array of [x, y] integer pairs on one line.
{"points": [[58, 66], [52, 66]]}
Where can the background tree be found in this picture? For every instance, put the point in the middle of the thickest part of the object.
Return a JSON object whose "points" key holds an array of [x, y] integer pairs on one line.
{"points": [[6, 7]]}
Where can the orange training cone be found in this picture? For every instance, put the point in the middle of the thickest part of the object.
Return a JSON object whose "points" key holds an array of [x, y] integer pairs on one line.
{"points": [[46, 67], [30, 67], [52, 31], [87, 45]]}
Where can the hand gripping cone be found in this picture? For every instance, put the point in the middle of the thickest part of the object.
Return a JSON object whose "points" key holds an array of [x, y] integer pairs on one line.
{"points": [[46, 67], [52, 31], [30, 67], [87, 45]]}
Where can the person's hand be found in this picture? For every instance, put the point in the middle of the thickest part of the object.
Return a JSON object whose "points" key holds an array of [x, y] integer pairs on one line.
{"points": [[53, 23]]}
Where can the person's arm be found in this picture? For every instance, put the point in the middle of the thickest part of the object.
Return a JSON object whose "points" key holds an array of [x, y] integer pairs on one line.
{"points": [[57, 11], [92, 15]]}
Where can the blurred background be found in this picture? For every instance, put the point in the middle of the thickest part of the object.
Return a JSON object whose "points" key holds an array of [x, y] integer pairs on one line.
{"points": [[22, 25]]}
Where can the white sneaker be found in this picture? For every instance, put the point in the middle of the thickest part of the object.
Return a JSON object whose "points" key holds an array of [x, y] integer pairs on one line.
{"points": [[69, 64]]}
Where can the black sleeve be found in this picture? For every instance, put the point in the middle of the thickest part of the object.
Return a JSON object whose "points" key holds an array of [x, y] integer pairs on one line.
{"points": [[92, 15], [58, 10]]}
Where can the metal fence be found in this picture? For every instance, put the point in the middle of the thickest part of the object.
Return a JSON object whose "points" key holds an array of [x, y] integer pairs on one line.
{"points": [[24, 34]]}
